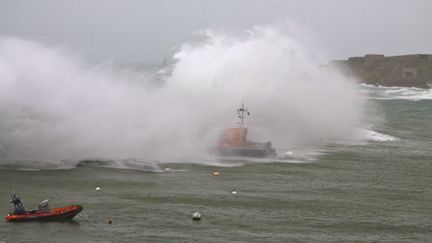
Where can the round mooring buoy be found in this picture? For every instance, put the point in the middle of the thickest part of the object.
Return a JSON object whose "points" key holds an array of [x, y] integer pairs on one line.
{"points": [[288, 155], [234, 192], [216, 173], [196, 216], [98, 189]]}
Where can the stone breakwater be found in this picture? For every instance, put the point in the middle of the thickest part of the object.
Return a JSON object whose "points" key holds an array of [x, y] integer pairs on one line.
{"points": [[405, 71]]}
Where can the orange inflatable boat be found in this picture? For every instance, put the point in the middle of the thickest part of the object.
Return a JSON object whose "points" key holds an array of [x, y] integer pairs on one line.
{"points": [[52, 215]]}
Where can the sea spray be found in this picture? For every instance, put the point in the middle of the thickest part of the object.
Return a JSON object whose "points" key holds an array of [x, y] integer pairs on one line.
{"points": [[292, 98], [54, 106]]}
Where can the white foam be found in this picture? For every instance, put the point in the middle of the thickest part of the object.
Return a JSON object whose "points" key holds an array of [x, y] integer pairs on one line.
{"points": [[396, 93], [378, 137]]}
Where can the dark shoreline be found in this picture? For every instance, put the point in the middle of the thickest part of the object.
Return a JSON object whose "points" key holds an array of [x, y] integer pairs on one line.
{"points": [[402, 71]]}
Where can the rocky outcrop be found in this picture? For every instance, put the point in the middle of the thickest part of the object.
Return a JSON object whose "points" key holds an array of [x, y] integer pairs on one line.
{"points": [[406, 71]]}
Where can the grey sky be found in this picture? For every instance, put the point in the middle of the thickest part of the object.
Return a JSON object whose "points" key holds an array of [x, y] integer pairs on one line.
{"points": [[148, 30]]}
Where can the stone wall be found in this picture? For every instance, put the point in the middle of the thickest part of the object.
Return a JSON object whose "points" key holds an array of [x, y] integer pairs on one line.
{"points": [[407, 71]]}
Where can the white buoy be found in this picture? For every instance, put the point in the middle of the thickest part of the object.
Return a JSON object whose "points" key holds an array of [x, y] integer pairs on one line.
{"points": [[98, 188], [196, 216], [167, 169], [234, 192]]}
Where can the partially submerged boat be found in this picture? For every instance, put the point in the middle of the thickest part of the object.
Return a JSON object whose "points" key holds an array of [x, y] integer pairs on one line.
{"points": [[233, 141], [53, 214]]}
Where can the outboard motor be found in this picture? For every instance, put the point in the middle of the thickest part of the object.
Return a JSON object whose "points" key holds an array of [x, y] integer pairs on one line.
{"points": [[43, 206]]}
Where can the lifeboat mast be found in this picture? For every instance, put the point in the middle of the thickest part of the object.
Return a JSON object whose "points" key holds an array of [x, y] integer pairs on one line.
{"points": [[242, 113]]}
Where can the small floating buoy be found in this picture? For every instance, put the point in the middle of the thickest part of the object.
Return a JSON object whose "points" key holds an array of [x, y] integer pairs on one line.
{"points": [[196, 216], [234, 192], [109, 221], [167, 169], [98, 188], [216, 173]]}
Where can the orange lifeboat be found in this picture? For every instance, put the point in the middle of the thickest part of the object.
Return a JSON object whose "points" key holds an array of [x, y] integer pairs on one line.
{"points": [[233, 141]]}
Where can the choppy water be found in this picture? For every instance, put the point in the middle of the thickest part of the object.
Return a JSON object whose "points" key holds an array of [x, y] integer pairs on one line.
{"points": [[374, 192]]}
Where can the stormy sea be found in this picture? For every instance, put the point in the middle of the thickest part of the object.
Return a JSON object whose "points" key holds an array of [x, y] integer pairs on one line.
{"points": [[353, 164]]}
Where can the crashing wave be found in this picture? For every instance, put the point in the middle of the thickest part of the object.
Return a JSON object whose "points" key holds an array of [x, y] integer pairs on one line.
{"points": [[131, 164], [396, 93], [371, 135], [134, 164]]}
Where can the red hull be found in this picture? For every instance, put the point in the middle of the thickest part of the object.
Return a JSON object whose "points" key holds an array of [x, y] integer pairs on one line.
{"points": [[233, 142], [54, 214]]}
